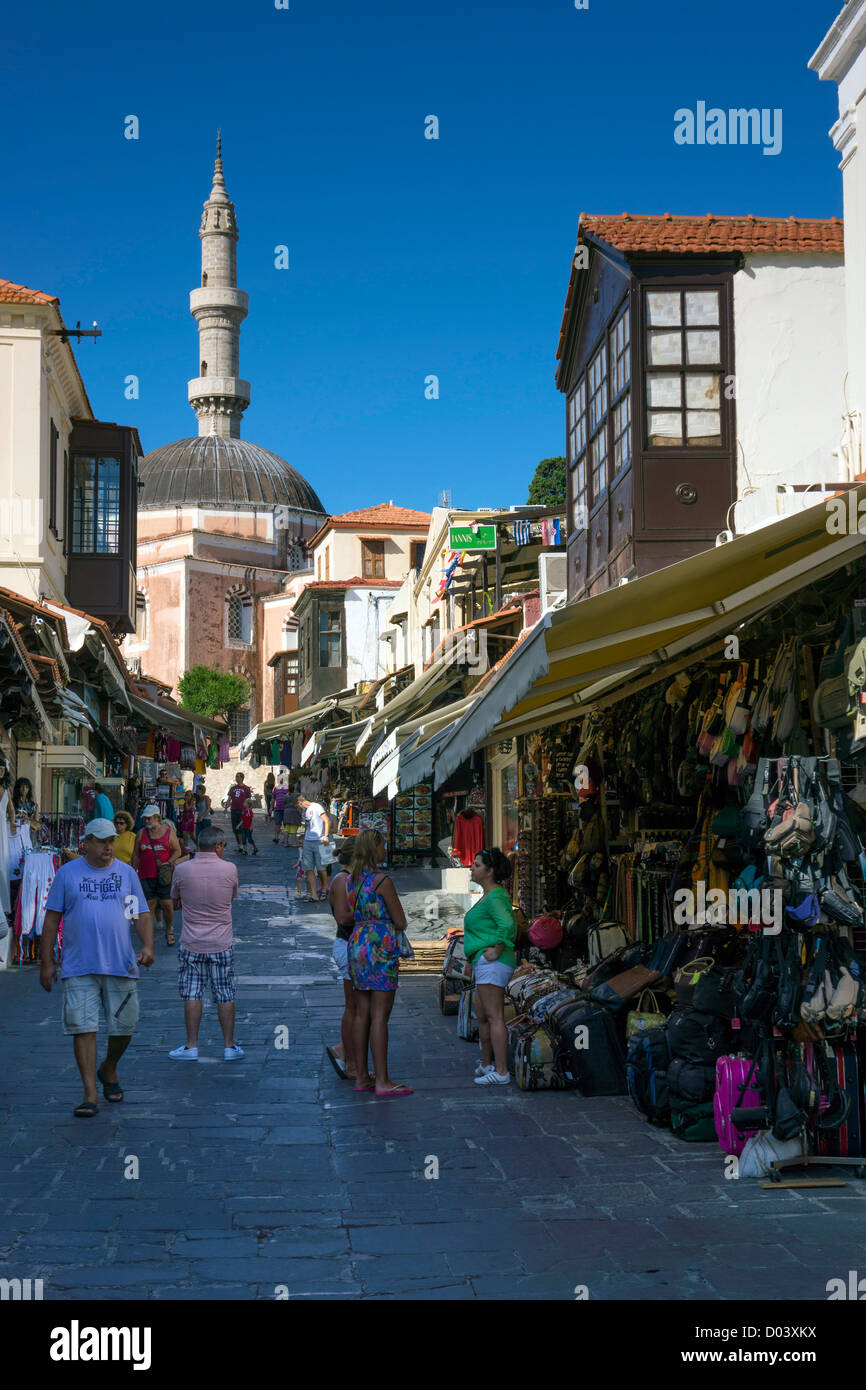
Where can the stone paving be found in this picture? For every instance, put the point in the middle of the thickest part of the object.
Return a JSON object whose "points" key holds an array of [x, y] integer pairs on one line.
{"points": [[269, 1177]]}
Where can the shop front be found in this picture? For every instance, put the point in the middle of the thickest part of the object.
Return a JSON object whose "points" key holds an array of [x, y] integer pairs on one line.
{"points": [[691, 837]]}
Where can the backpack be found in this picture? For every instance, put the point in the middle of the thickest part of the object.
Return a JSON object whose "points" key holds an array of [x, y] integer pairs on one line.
{"points": [[690, 1082], [646, 1074], [791, 833], [697, 1037], [693, 1121]]}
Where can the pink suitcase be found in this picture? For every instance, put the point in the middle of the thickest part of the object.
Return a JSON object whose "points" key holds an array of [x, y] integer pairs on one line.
{"points": [[731, 1074]]}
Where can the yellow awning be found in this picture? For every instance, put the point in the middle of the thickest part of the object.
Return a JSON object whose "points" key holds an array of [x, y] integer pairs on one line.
{"points": [[592, 647]]}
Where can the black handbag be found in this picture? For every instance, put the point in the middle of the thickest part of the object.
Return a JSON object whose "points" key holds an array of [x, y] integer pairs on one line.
{"points": [[714, 994]]}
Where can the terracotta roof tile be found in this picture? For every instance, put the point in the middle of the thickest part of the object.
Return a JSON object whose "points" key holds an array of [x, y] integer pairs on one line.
{"points": [[382, 514], [667, 234], [10, 293], [356, 583]]}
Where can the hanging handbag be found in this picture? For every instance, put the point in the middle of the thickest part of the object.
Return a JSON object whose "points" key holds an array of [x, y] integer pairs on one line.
{"points": [[640, 1019], [406, 950]]}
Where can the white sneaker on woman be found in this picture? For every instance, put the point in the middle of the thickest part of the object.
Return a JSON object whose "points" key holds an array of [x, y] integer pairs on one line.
{"points": [[481, 1068], [492, 1078]]}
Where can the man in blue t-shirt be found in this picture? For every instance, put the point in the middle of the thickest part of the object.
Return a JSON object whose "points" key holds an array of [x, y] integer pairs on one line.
{"points": [[98, 897]]}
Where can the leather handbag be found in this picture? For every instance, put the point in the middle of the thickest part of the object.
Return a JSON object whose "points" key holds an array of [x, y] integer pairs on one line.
{"points": [[642, 1018], [687, 977], [619, 989]]}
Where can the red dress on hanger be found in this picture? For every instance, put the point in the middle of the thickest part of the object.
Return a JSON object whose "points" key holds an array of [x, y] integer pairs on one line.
{"points": [[468, 836]]}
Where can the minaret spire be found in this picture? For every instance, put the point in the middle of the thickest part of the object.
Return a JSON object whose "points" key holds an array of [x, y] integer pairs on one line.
{"points": [[218, 395]]}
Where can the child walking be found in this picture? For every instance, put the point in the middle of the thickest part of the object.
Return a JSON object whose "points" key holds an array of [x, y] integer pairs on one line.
{"points": [[247, 827]]}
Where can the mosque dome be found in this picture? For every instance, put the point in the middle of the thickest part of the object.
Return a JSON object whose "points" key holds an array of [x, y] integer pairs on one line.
{"points": [[217, 470]]}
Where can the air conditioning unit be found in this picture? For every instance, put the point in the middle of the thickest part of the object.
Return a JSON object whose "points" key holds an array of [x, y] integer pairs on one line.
{"points": [[553, 578]]}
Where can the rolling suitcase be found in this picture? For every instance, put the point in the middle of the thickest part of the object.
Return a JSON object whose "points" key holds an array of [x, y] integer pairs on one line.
{"points": [[591, 1044], [846, 1141]]}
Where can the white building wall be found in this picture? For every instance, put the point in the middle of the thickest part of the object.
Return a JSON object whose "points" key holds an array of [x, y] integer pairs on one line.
{"points": [[842, 59], [365, 619], [790, 363]]}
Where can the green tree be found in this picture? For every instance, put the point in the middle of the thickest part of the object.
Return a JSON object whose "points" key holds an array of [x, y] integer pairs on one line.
{"points": [[213, 693], [547, 488]]}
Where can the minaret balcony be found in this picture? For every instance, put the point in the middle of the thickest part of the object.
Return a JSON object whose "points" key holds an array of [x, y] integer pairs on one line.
{"points": [[203, 387], [219, 297]]}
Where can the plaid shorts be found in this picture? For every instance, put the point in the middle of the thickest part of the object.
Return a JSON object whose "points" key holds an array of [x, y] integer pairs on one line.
{"points": [[196, 967]]}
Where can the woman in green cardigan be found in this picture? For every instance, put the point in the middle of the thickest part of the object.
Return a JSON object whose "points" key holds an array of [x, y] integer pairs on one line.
{"points": [[488, 940]]}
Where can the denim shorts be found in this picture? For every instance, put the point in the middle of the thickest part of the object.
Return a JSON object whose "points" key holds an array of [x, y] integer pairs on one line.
{"points": [[340, 957], [492, 972], [311, 854], [85, 995]]}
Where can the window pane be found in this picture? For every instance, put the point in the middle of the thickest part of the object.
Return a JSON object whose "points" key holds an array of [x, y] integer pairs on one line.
{"points": [[703, 345], [703, 426], [663, 307], [579, 517], [95, 505], [664, 348], [702, 306], [663, 390], [598, 456], [702, 392], [664, 427], [622, 434]]}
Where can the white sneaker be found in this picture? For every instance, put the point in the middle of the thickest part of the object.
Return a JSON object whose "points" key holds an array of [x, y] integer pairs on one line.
{"points": [[230, 1053], [184, 1054], [481, 1069], [492, 1078]]}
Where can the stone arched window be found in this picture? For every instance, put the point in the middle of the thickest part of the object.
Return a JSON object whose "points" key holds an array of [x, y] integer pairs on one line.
{"points": [[203, 371], [204, 279], [239, 617]]}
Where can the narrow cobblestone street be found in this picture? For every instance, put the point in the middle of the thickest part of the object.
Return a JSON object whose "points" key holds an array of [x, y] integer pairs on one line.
{"points": [[270, 1173]]}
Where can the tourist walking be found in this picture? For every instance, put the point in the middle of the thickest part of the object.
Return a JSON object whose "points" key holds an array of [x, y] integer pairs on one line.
{"points": [[98, 897], [102, 807], [202, 810], [238, 796], [373, 958], [489, 933], [278, 803], [342, 1057], [317, 835], [270, 783], [247, 827], [124, 839], [157, 850], [188, 821], [204, 888]]}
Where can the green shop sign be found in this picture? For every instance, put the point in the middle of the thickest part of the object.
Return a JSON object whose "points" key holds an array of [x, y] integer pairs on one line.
{"points": [[465, 538]]}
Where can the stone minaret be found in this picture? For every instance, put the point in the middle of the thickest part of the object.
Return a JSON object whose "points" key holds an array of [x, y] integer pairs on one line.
{"points": [[218, 395]]}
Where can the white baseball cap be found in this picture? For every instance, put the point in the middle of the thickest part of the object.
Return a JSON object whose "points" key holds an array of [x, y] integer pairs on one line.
{"points": [[151, 810], [100, 829]]}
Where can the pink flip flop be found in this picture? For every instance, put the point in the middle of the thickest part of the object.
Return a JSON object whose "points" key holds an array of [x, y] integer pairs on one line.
{"points": [[364, 1088], [398, 1091]]}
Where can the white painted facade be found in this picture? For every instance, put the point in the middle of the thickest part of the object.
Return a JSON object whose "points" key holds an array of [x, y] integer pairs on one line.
{"points": [[366, 618], [790, 363], [841, 58], [39, 385]]}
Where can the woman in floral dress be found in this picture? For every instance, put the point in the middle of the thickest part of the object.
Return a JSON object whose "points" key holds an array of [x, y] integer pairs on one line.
{"points": [[374, 954]]}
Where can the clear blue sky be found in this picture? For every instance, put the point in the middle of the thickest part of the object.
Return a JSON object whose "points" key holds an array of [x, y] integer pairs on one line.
{"points": [[408, 256]]}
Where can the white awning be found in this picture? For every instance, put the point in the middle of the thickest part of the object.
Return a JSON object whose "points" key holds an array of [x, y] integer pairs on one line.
{"points": [[389, 762]]}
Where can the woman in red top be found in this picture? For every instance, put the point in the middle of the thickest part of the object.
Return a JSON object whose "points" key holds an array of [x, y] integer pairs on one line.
{"points": [[156, 844]]}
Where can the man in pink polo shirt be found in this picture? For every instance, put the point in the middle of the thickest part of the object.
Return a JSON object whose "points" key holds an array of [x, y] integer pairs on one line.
{"points": [[204, 889]]}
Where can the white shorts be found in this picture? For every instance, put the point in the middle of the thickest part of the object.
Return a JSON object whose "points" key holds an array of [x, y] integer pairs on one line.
{"points": [[340, 957], [492, 972]]}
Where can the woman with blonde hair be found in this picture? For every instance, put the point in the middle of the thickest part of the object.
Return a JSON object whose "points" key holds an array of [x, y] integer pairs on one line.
{"points": [[373, 957], [124, 840]]}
